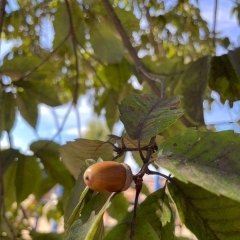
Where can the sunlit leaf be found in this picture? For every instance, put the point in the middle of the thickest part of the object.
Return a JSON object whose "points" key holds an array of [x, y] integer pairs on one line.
{"points": [[27, 107], [157, 211], [75, 153], [116, 75], [46, 236], [144, 116], [48, 152], [119, 207], [193, 86], [40, 91], [20, 65], [107, 47], [74, 200], [128, 20], [90, 225], [7, 158], [7, 111], [208, 159], [224, 75], [207, 215], [28, 176], [142, 231]]}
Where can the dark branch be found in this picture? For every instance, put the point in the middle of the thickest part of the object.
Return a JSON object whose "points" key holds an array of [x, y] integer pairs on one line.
{"points": [[215, 23], [74, 42], [139, 65], [2, 14]]}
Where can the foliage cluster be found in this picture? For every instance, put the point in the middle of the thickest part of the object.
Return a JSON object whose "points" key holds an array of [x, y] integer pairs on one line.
{"points": [[94, 53]]}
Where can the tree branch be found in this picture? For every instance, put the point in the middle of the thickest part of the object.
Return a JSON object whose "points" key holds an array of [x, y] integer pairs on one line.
{"points": [[215, 24], [74, 42], [2, 14], [139, 65], [44, 60]]}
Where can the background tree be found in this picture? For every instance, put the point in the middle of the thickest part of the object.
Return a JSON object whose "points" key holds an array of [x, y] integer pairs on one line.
{"points": [[101, 49]]}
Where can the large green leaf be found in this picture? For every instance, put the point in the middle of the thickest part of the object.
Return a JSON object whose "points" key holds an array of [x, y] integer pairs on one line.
{"points": [[74, 200], [154, 220], [193, 86], [28, 177], [75, 153], [9, 186], [208, 159], [225, 75], [62, 26], [207, 215], [44, 186], [48, 152], [107, 47], [46, 236], [40, 91], [116, 75], [21, 178], [142, 231], [128, 20], [119, 207], [20, 65], [7, 111], [27, 107], [90, 225], [7, 158], [157, 211], [144, 116]]}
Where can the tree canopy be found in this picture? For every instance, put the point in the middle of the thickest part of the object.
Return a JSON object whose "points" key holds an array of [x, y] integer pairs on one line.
{"points": [[148, 64]]}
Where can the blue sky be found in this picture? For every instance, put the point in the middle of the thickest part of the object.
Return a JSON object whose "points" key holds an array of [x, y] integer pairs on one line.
{"points": [[23, 135]]}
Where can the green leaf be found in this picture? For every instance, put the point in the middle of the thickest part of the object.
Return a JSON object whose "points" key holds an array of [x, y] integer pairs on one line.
{"points": [[207, 215], [208, 159], [40, 91], [20, 65], [119, 207], [28, 176], [142, 231], [7, 111], [157, 211], [7, 158], [90, 225], [105, 44], [234, 57], [44, 186], [48, 152], [224, 75], [144, 116], [9, 184], [62, 26], [128, 20], [27, 107], [116, 75], [75, 200], [75, 153], [46, 236], [193, 86]]}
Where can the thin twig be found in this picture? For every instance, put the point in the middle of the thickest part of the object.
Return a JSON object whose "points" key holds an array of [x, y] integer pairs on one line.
{"points": [[1, 184], [138, 191], [139, 65], [215, 24], [74, 42], [55, 118], [2, 15], [45, 59], [78, 120], [111, 96], [59, 130]]}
